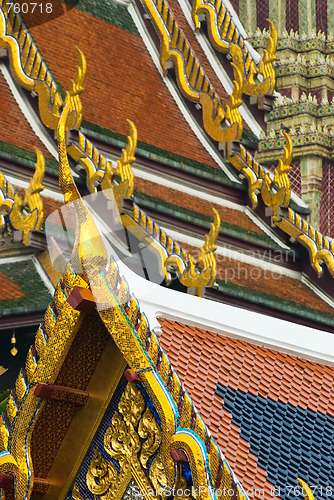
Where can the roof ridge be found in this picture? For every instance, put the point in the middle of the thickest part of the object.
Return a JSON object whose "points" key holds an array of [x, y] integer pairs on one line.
{"points": [[31, 72], [320, 248]]}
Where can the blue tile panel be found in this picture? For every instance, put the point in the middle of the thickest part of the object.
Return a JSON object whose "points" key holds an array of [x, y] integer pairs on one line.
{"points": [[289, 442]]}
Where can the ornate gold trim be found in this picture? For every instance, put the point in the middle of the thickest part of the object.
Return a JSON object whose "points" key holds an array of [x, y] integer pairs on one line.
{"points": [[30, 71], [201, 273], [173, 257], [51, 342], [13, 204], [276, 194], [248, 167], [280, 198], [77, 440], [99, 171], [191, 78], [226, 38]]}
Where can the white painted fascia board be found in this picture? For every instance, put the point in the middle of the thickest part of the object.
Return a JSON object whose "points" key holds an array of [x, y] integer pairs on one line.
{"points": [[156, 301], [265, 228], [197, 130], [198, 193], [204, 195], [18, 258], [43, 275], [320, 293], [48, 193]]}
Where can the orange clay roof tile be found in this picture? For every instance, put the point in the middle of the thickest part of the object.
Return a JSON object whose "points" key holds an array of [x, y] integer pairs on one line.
{"points": [[277, 376], [113, 92], [14, 128]]}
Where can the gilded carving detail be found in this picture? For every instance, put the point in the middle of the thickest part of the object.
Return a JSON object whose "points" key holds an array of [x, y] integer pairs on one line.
{"points": [[21, 414], [100, 171], [320, 248], [225, 37], [131, 439], [13, 204], [172, 256], [30, 71], [276, 194], [148, 429], [280, 197], [192, 276], [249, 168], [191, 77], [101, 475], [89, 253]]}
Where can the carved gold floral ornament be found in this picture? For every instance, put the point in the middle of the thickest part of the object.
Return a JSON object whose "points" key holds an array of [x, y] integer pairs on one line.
{"points": [[133, 437]]}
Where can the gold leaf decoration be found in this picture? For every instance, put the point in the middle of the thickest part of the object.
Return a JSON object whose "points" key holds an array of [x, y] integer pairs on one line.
{"points": [[193, 276], [225, 37], [13, 204], [101, 474], [157, 474], [191, 78], [132, 437], [30, 71], [281, 197], [100, 171], [131, 405], [149, 429]]}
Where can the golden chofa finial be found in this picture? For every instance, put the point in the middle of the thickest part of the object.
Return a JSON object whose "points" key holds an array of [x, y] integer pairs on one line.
{"points": [[192, 276], [14, 204], [281, 197], [89, 254]]}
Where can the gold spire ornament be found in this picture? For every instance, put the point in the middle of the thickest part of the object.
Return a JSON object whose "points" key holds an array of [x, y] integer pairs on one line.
{"points": [[203, 272], [281, 197], [13, 204], [89, 253]]}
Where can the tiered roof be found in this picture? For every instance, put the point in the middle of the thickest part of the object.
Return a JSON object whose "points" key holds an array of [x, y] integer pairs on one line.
{"points": [[183, 169]]}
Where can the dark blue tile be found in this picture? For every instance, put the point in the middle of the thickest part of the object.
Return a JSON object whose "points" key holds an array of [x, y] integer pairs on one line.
{"points": [[289, 442]]}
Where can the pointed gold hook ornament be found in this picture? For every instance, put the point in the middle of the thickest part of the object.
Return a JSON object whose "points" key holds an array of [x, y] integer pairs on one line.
{"points": [[89, 255]]}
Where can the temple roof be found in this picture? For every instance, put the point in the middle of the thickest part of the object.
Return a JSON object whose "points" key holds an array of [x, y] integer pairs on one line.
{"points": [[271, 412], [24, 287], [267, 408], [135, 90]]}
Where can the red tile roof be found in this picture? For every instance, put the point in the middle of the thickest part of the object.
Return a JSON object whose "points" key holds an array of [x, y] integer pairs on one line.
{"points": [[113, 92], [265, 281], [203, 359], [9, 289], [14, 128], [197, 204]]}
